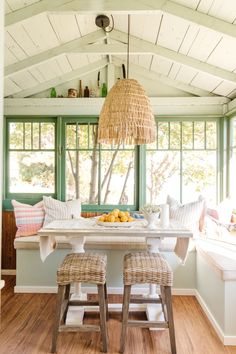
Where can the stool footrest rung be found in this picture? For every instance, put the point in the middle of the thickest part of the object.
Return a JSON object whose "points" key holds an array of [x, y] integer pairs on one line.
{"points": [[79, 328], [145, 300], [83, 303], [147, 324]]}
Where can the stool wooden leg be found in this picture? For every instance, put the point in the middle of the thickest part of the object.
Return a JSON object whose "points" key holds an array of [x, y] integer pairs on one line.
{"points": [[168, 301], [102, 311], [67, 298], [106, 300], [60, 297], [125, 316], [163, 301]]}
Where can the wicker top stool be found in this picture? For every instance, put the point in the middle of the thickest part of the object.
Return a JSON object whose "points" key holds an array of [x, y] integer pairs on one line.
{"points": [[81, 268], [147, 267], [151, 268]]}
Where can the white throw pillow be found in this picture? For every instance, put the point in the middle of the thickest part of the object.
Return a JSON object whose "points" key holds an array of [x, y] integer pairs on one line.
{"points": [[57, 210], [187, 214]]}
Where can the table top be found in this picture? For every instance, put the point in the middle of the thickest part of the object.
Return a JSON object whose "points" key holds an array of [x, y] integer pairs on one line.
{"points": [[89, 227]]}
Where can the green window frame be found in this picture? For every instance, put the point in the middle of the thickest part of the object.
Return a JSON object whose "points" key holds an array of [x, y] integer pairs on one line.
{"points": [[166, 143], [232, 159], [89, 121], [28, 146], [140, 160]]}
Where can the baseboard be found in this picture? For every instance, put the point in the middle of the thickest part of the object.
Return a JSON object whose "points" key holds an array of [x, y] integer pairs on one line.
{"points": [[8, 271], [2, 283], [35, 289], [93, 289], [226, 340], [183, 292]]}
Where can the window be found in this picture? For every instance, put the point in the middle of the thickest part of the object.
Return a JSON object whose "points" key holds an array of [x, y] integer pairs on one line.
{"points": [[31, 157], [183, 161], [61, 157], [97, 174]]}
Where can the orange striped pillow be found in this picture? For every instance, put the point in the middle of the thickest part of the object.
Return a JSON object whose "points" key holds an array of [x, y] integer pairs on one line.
{"points": [[29, 218]]}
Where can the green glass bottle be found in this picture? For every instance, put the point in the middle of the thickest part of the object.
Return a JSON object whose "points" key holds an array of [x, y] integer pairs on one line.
{"points": [[104, 90], [53, 92]]}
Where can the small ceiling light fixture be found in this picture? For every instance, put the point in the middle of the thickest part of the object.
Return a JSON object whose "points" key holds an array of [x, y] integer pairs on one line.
{"points": [[126, 116]]}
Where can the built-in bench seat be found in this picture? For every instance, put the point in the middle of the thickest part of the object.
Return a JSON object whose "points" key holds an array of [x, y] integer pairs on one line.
{"points": [[219, 256]]}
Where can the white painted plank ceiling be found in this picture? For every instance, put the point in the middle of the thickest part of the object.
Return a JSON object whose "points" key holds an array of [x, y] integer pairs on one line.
{"points": [[48, 30]]}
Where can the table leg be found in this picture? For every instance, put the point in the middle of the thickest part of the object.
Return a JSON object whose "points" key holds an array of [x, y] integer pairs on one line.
{"points": [[154, 311], [75, 313]]}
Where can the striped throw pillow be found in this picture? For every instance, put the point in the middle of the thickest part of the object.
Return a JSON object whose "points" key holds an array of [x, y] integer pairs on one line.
{"points": [[29, 218], [57, 210], [187, 214]]}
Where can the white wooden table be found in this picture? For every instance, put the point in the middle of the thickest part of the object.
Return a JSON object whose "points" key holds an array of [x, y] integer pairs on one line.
{"points": [[77, 230]]}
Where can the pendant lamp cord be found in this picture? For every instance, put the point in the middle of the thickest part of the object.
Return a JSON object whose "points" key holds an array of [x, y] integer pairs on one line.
{"points": [[128, 46]]}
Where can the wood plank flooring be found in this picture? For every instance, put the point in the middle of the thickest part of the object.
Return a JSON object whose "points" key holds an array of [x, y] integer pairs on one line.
{"points": [[27, 321]]}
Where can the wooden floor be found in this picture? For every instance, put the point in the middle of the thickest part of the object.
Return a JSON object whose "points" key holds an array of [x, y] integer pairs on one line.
{"points": [[27, 319]]}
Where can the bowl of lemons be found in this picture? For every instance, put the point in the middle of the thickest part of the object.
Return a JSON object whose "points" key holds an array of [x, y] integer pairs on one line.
{"points": [[116, 218]]}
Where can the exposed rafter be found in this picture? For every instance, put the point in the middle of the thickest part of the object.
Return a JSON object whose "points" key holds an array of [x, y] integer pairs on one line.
{"points": [[151, 75], [63, 78], [128, 6], [49, 54], [151, 48], [32, 10], [138, 47]]}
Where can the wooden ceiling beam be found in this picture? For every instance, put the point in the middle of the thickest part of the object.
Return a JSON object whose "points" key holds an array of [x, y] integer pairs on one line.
{"points": [[50, 54], [152, 75], [33, 10], [124, 7], [176, 57]]}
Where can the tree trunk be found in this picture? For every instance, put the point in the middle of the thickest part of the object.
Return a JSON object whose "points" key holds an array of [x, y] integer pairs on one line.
{"points": [[125, 182], [109, 169], [77, 180], [107, 189]]}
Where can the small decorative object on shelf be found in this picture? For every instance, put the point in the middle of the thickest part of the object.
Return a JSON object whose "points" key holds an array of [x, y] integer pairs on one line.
{"points": [[80, 94], [151, 214], [53, 93], [98, 93], [86, 91], [104, 90], [92, 93], [72, 93]]}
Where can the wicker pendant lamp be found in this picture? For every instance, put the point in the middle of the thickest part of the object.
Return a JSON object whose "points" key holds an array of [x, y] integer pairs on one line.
{"points": [[126, 115]]}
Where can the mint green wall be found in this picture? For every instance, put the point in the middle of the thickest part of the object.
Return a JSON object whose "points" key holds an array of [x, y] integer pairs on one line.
{"points": [[184, 275], [32, 272]]}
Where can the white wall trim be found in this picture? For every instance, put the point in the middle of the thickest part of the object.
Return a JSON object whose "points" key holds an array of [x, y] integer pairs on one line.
{"points": [[93, 289], [2, 283], [8, 271], [226, 340]]}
